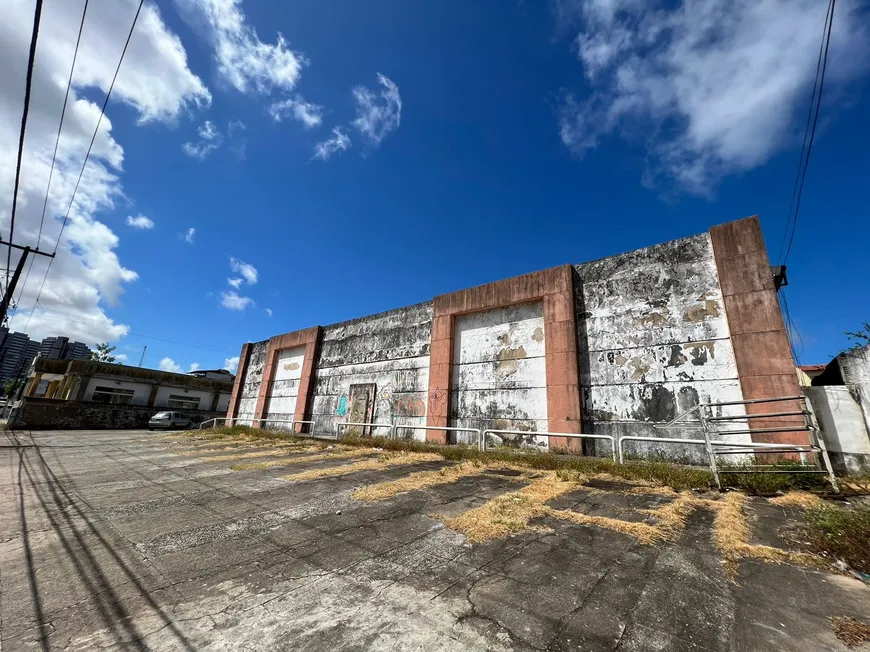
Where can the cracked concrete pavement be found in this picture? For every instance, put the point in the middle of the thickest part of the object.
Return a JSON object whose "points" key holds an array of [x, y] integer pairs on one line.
{"points": [[136, 540]]}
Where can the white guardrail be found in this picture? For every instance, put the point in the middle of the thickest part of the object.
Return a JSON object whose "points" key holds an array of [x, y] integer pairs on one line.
{"points": [[617, 446], [357, 424], [569, 435], [445, 428]]}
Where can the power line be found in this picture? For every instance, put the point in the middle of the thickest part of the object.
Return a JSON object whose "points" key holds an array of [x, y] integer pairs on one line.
{"points": [[56, 144], [74, 319], [804, 162], [87, 156], [33, 38], [60, 124]]}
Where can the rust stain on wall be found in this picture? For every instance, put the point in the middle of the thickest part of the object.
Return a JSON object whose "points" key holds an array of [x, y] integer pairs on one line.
{"points": [[291, 366], [538, 335], [702, 311], [512, 354]]}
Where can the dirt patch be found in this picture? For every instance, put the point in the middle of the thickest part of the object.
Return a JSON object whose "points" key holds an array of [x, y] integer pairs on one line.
{"points": [[851, 631], [390, 459]]}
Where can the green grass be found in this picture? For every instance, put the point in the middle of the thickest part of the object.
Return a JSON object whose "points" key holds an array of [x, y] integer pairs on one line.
{"points": [[676, 476], [842, 532]]}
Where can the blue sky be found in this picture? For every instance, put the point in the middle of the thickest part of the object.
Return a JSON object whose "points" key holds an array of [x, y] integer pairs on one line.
{"points": [[503, 137]]}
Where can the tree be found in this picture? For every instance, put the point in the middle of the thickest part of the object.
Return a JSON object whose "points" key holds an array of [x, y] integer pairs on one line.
{"points": [[861, 338], [11, 386], [103, 353]]}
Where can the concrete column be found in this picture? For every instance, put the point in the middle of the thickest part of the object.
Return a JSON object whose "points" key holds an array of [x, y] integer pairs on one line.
{"points": [[79, 394], [153, 396], [241, 371], [215, 400], [761, 349], [33, 384], [52, 388]]}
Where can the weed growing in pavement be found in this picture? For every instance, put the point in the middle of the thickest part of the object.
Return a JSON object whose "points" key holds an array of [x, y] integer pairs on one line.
{"points": [[841, 532]]}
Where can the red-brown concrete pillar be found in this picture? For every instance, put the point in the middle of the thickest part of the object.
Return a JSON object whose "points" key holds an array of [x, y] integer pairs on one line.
{"points": [[765, 365]]}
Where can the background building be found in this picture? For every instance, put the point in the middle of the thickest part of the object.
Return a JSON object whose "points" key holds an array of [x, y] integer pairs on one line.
{"points": [[88, 394], [18, 350]]}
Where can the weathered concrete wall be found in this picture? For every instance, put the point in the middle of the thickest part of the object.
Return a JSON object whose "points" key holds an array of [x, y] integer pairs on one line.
{"points": [[389, 350], [499, 373], [653, 341], [251, 383], [141, 391], [284, 388], [47, 413], [842, 417]]}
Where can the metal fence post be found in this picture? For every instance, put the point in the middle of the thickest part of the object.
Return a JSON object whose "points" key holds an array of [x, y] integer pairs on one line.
{"points": [[702, 415]]}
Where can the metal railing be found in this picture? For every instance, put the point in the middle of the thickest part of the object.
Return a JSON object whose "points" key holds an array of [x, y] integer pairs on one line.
{"points": [[293, 423], [815, 445], [569, 435], [713, 446], [348, 424], [445, 428]]}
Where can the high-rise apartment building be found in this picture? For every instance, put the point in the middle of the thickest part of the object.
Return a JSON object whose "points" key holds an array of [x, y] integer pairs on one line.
{"points": [[18, 350]]}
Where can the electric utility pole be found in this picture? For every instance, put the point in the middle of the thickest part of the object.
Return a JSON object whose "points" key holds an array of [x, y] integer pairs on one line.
{"points": [[10, 289]]}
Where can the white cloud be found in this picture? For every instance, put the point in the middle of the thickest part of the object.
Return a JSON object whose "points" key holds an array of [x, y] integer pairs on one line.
{"points": [[377, 113], [168, 364], [120, 357], [209, 140], [246, 270], [235, 282], [140, 222], [243, 60], [193, 367], [339, 142], [711, 86], [233, 301], [232, 364], [269, 312], [187, 236], [307, 113], [154, 81]]}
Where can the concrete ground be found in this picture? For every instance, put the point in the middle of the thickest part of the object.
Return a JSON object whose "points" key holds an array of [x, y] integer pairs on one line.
{"points": [[138, 540]]}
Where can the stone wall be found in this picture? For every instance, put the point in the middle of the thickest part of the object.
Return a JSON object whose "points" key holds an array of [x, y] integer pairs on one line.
{"points": [[56, 414], [653, 341]]}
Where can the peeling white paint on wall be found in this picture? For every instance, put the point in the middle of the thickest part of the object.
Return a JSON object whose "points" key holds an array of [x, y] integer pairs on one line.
{"points": [[281, 404], [499, 372], [653, 341], [389, 350], [251, 384]]}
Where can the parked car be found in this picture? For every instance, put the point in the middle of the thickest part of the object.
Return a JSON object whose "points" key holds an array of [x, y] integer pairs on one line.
{"points": [[170, 421]]}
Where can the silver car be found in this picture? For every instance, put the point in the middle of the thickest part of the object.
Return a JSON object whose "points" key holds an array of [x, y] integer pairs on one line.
{"points": [[170, 421]]}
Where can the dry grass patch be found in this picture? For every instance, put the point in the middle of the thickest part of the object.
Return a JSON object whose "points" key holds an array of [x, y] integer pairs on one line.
{"points": [[387, 460], [236, 446], [424, 479], [850, 630], [511, 512], [802, 499], [337, 455], [243, 456], [731, 536]]}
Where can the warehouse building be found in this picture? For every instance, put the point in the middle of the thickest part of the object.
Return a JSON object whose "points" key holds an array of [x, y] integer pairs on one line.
{"points": [[619, 346]]}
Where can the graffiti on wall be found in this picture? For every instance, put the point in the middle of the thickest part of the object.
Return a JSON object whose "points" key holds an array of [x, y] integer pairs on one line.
{"points": [[408, 406], [342, 406], [437, 398]]}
